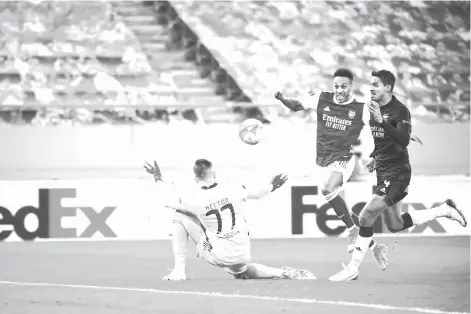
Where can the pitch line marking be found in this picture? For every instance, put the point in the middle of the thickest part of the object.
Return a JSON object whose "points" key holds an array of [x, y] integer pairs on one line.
{"points": [[227, 295]]}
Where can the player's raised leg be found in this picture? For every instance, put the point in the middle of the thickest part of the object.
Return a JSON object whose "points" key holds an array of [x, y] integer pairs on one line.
{"points": [[391, 190], [331, 189], [182, 227], [397, 221], [339, 173]]}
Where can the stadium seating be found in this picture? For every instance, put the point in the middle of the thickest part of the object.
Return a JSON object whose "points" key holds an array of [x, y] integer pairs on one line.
{"points": [[295, 46], [89, 56], [171, 49], [223, 58]]}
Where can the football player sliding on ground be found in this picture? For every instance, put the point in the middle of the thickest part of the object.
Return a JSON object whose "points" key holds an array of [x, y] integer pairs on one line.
{"points": [[210, 214]]}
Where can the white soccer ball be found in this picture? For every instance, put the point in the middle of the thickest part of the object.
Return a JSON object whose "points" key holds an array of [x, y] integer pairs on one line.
{"points": [[251, 131]]}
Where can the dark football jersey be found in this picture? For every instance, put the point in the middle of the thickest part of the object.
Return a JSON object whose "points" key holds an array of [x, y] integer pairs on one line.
{"points": [[338, 127], [387, 150]]}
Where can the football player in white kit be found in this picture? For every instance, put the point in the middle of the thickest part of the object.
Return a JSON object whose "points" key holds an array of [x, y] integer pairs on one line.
{"points": [[211, 216]]}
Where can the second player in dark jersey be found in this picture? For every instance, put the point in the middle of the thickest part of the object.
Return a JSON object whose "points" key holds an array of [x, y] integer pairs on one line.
{"points": [[391, 137]]}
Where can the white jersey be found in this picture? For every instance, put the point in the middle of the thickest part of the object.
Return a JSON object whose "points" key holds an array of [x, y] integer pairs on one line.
{"points": [[219, 209]]}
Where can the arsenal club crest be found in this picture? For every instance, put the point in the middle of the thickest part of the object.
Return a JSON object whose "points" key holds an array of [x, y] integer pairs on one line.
{"points": [[351, 114]]}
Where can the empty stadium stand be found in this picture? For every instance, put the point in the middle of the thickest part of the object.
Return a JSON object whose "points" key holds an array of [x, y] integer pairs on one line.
{"points": [[295, 46], [222, 61], [84, 55], [173, 52]]}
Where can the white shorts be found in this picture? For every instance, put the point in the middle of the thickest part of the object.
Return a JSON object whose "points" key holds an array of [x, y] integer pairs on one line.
{"points": [[345, 167], [232, 255]]}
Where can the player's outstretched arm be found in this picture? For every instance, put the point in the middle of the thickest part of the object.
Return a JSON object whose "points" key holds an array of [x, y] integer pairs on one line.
{"points": [[291, 103], [168, 195], [310, 101], [261, 191]]}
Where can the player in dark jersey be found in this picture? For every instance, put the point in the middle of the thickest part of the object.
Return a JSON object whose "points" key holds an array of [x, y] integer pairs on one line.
{"points": [[390, 124], [340, 120]]}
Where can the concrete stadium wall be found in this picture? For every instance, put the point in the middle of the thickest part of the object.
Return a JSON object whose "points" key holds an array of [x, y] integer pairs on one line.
{"points": [[119, 151]]}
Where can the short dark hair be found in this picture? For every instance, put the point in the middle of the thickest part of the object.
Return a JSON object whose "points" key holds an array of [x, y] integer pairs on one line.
{"points": [[200, 167], [386, 77], [343, 72]]}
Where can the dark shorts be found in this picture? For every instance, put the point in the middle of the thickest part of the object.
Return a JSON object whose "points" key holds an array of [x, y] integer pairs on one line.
{"points": [[393, 182]]}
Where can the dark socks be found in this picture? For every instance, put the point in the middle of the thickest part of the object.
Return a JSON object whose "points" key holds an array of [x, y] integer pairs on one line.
{"points": [[366, 232], [341, 210], [407, 221]]}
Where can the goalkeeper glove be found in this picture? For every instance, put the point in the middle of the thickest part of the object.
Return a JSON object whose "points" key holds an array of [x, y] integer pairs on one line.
{"points": [[154, 171], [278, 181]]}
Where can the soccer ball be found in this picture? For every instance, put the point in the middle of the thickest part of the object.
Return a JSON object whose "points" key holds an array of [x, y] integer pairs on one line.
{"points": [[251, 131]]}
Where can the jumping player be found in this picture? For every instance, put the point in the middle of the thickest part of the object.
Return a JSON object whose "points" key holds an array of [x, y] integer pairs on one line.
{"points": [[390, 125], [211, 215], [340, 120]]}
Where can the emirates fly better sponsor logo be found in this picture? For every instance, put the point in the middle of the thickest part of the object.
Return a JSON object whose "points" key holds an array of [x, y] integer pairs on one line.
{"points": [[49, 213], [336, 123]]}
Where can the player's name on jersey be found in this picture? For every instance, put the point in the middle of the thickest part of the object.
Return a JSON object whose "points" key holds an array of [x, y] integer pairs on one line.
{"points": [[229, 234], [218, 204], [336, 123], [377, 131]]}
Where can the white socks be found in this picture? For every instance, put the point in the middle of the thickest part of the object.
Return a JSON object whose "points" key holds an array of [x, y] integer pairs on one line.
{"points": [[361, 247], [422, 216], [180, 246], [184, 227]]}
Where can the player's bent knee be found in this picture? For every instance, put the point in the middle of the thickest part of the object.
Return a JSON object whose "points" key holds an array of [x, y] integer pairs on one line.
{"points": [[192, 227], [368, 215], [393, 228], [331, 192], [365, 219], [333, 184], [179, 217], [326, 190], [330, 188], [330, 196], [185, 220]]}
